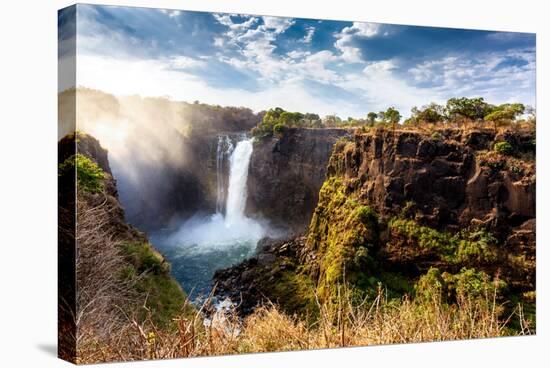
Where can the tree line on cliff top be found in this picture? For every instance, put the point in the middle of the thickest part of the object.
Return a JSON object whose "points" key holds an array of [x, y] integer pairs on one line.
{"points": [[456, 110]]}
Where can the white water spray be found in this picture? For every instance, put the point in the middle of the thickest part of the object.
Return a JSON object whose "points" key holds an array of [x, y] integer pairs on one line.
{"points": [[232, 229], [238, 175], [225, 148]]}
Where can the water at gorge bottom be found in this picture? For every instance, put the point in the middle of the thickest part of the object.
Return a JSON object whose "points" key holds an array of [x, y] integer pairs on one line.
{"points": [[203, 245]]}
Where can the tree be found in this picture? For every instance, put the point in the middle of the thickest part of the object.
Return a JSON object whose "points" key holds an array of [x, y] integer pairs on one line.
{"points": [[391, 115], [470, 108], [531, 114], [332, 121], [371, 118], [277, 119], [432, 113], [505, 113], [312, 120]]}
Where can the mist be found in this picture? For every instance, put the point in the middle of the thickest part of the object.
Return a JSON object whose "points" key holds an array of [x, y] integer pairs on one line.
{"points": [[160, 150]]}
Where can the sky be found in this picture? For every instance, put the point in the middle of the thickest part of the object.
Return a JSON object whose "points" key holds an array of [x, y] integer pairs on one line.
{"points": [[306, 65]]}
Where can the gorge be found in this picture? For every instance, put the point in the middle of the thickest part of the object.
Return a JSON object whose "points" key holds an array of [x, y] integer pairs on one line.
{"points": [[285, 228], [204, 244]]}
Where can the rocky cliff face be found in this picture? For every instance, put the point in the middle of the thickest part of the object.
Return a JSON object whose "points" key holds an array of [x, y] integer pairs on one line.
{"points": [[286, 173], [395, 205], [111, 264], [450, 182]]}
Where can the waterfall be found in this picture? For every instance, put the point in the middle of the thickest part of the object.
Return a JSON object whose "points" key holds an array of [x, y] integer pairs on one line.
{"points": [[204, 244], [230, 228], [225, 147], [238, 175]]}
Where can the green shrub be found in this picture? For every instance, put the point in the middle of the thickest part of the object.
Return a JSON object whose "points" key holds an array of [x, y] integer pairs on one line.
{"points": [[294, 292], [432, 113], [431, 285], [504, 148], [145, 258], [151, 274], [470, 108], [494, 163], [467, 283], [425, 237], [505, 112], [278, 128], [88, 173], [275, 120], [476, 247], [465, 247], [472, 283]]}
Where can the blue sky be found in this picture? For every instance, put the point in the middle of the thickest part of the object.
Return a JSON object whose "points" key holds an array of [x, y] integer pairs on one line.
{"points": [[308, 65]]}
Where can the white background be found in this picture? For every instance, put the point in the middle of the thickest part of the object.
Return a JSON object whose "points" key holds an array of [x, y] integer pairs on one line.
{"points": [[28, 186]]}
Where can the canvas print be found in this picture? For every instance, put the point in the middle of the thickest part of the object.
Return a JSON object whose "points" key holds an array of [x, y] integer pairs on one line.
{"points": [[234, 183]]}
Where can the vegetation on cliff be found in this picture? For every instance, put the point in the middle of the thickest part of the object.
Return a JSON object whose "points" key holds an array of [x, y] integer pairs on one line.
{"points": [[123, 283], [417, 237], [275, 120], [89, 175], [344, 235], [462, 248], [456, 111]]}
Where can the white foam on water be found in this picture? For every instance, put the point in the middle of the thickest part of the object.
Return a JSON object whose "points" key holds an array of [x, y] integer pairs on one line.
{"points": [[221, 231]]}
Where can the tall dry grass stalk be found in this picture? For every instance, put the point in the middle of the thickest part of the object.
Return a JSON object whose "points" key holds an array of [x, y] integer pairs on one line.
{"points": [[342, 322], [103, 297]]}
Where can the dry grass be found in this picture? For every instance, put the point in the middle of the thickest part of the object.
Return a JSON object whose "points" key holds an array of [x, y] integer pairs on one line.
{"points": [[464, 125], [344, 322], [103, 297]]}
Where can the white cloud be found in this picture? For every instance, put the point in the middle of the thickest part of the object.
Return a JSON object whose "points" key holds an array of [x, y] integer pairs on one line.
{"points": [[174, 13], [348, 53], [182, 62], [277, 24], [464, 76], [346, 37], [256, 45], [219, 42], [310, 31], [235, 28], [379, 66], [383, 88], [283, 78], [315, 67], [156, 78], [297, 54], [363, 29], [108, 61], [170, 13]]}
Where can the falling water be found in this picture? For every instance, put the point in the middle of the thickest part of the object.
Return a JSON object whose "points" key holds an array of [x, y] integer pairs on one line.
{"points": [[236, 193], [203, 245], [225, 148]]}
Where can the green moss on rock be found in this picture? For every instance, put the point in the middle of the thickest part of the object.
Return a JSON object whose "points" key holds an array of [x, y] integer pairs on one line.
{"points": [[463, 248], [343, 233], [295, 292], [468, 283], [150, 274]]}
